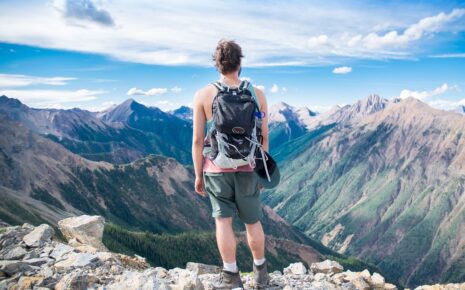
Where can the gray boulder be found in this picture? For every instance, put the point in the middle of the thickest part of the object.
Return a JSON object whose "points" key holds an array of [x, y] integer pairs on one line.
{"points": [[12, 267], [76, 281], [78, 260], [17, 253], [135, 280], [326, 266], [85, 229], [60, 251], [199, 268], [39, 236], [296, 269]]}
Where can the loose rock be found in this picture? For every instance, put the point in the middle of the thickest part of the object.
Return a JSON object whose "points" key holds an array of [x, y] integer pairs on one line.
{"points": [[199, 268], [48, 264], [16, 253], [39, 236], [78, 260], [326, 266], [295, 268], [87, 230]]}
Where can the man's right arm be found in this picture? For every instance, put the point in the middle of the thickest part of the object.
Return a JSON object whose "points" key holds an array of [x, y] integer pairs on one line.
{"points": [[199, 120]]}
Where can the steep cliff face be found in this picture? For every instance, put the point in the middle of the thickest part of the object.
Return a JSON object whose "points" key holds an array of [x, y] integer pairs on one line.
{"points": [[387, 185]]}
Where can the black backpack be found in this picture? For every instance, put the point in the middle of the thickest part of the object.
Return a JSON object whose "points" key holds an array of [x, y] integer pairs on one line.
{"points": [[236, 131]]}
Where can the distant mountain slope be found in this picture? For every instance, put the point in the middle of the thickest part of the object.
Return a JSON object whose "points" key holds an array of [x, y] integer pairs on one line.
{"points": [[286, 123], [156, 248], [119, 135], [168, 134], [182, 112], [43, 182], [154, 193], [347, 113], [383, 181]]}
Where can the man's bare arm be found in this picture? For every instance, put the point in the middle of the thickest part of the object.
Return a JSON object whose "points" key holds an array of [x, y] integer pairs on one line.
{"points": [[199, 120], [264, 109]]}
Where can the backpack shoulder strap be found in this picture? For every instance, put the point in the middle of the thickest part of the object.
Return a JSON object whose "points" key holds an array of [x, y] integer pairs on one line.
{"points": [[218, 85], [248, 86]]}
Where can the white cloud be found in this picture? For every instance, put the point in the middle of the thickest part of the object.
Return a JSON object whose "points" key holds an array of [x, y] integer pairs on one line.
{"points": [[146, 31], [416, 31], [156, 91], [447, 105], [176, 90], [103, 106], [342, 70], [14, 80], [135, 92], [277, 89], [47, 98], [423, 95], [318, 41], [151, 92], [449, 55], [274, 89], [260, 87], [431, 97]]}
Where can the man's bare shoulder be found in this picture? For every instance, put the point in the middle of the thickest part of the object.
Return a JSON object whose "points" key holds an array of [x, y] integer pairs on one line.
{"points": [[260, 95], [205, 92]]}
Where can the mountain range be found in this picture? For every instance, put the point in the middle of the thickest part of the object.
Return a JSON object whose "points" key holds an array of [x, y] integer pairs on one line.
{"points": [[119, 135], [382, 180], [43, 181]]}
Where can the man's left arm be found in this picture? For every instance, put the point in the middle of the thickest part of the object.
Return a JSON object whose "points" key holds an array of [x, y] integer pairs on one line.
{"points": [[264, 109]]}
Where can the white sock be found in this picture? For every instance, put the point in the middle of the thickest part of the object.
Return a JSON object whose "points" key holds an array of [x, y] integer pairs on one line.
{"points": [[231, 267], [259, 262]]}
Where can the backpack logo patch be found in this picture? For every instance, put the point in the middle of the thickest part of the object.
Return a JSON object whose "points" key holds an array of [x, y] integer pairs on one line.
{"points": [[238, 130]]}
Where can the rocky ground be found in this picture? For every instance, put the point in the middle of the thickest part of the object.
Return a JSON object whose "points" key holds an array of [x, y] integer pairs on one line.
{"points": [[31, 258]]}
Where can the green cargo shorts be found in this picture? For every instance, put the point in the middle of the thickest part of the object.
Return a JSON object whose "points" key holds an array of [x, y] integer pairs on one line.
{"points": [[234, 192]]}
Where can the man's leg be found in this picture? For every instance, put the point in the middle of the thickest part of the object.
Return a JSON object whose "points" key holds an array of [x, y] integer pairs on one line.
{"points": [[229, 278], [256, 240], [226, 240]]}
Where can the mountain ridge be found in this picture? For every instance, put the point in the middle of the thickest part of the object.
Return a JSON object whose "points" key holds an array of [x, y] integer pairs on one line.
{"points": [[373, 186], [89, 135]]}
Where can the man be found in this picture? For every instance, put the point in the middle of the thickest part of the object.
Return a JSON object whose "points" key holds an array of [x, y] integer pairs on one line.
{"points": [[231, 190]]}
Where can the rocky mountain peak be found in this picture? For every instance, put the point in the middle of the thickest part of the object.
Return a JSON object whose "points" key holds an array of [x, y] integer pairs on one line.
{"points": [[364, 107], [183, 112], [121, 112], [6, 102], [282, 112], [372, 103], [31, 257]]}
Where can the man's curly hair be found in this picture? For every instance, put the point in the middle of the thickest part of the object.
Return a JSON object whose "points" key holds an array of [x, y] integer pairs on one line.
{"points": [[227, 56]]}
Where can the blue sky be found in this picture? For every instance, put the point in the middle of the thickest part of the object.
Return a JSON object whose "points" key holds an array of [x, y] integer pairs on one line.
{"points": [[95, 53]]}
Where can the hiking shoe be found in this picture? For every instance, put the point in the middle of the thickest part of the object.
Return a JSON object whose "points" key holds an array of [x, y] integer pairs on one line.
{"points": [[228, 281], [261, 277]]}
